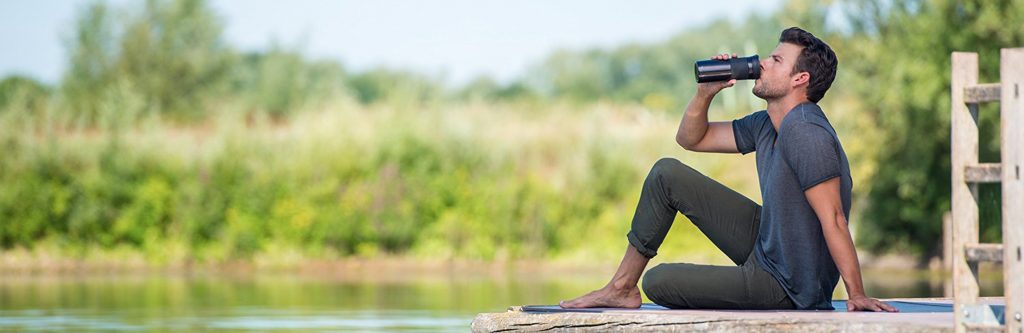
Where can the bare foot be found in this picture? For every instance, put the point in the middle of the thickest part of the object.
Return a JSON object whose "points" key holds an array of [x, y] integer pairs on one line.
{"points": [[607, 297]]}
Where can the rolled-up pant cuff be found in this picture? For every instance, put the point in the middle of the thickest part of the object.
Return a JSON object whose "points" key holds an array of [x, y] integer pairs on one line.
{"points": [[639, 245]]}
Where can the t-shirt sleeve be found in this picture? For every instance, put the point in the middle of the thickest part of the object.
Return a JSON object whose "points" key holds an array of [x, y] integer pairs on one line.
{"points": [[746, 130], [812, 153]]}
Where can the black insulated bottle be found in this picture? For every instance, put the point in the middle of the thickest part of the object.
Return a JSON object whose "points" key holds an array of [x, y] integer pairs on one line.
{"points": [[746, 68]]}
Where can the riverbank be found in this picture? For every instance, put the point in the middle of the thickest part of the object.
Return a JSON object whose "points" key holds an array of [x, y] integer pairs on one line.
{"points": [[31, 262], [50, 262]]}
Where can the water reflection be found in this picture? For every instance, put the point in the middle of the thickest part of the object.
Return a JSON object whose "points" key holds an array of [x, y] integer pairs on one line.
{"points": [[411, 302]]}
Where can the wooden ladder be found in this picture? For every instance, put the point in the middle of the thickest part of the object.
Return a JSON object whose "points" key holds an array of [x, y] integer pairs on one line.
{"points": [[966, 94]]}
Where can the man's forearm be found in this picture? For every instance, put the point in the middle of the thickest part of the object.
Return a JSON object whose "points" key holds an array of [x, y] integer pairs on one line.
{"points": [[844, 254], [694, 123]]}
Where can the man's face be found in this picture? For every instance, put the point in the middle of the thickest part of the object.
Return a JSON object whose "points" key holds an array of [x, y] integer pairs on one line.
{"points": [[776, 80]]}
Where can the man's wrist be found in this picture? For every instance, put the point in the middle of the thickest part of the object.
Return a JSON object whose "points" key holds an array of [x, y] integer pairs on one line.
{"points": [[705, 96], [854, 291]]}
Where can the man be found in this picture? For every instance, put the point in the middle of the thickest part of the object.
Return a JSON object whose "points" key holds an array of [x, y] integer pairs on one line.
{"points": [[790, 252]]}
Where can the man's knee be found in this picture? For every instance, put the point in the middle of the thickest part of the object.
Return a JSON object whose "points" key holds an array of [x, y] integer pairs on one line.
{"points": [[667, 285], [665, 165], [655, 282], [671, 168]]}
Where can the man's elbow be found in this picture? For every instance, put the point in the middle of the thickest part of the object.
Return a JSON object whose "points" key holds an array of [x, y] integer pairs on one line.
{"points": [[683, 142], [837, 223]]}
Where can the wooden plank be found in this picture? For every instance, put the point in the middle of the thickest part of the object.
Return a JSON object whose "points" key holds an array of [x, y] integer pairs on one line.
{"points": [[963, 153], [985, 328], [947, 244], [987, 92], [632, 320], [947, 252], [620, 322], [1011, 75], [984, 173], [984, 252]]}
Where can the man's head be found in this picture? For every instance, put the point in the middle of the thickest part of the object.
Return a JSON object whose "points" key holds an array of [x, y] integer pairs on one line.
{"points": [[800, 64]]}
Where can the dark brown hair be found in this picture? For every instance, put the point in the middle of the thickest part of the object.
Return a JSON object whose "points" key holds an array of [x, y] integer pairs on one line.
{"points": [[816, 58]]}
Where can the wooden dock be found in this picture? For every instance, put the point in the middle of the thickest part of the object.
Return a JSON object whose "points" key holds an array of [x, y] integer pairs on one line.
{"points": [[937, 318]]}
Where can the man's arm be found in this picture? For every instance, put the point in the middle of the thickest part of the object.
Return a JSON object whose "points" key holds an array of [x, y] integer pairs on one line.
{"points": [[824, 199], [695, 132]]}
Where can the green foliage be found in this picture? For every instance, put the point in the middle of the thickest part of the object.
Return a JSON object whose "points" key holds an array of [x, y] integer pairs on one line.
{"points": [[656, 75], [389, 85], [170, 59], [92, 52], [170, 54], [400, 166], [17, 92], [279, 81], [485, 89], [907, 45], [401, 188], [174, 55]]}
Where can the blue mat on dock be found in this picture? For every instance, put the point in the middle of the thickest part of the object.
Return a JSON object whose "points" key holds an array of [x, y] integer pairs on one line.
{"points": [[903, 306]]}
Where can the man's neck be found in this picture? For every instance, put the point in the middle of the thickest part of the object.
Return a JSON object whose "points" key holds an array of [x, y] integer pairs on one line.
{"points": [[779, 108]]}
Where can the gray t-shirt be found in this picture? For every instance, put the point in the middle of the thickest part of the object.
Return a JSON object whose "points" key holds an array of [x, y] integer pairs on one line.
{"points": [[790, 244]]}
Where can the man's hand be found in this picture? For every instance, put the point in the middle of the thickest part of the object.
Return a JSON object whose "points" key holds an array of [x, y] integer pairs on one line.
{"points": [[863, 303], [708, 89]]}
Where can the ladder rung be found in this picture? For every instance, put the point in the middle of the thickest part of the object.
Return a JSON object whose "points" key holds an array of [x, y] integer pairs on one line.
{"points": [[978, 328], [984, 173], [984, 252], [980, 93]]}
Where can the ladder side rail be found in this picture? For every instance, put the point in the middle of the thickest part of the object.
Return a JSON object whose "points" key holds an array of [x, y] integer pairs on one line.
{"points": [[963, 153], [1011, 113]]}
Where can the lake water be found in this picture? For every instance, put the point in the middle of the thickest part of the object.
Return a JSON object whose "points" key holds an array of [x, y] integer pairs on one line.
{"points": [[313, 302]]}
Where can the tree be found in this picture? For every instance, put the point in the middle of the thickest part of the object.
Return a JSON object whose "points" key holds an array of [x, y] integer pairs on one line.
{"points": [[659, 75], [170, 54], [903, 75], [92, 53], [22, 92]]}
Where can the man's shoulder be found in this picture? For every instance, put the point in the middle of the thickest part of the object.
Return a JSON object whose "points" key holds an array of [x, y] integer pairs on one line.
{"points": [[754, 119], [807, 119], [807, 127], [760, 115]]}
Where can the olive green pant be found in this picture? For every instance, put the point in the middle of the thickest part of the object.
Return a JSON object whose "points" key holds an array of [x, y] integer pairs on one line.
{"points": [[729, 219]]}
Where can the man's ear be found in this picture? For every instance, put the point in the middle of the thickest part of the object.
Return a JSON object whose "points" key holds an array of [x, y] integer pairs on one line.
{"points": [[801, 78]]}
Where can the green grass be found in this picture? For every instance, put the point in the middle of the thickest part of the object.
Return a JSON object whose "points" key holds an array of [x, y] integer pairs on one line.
{"points": [[489, 182]]}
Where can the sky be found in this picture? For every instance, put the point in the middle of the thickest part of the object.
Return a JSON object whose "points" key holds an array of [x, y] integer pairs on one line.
{"points": [[456, 40]]}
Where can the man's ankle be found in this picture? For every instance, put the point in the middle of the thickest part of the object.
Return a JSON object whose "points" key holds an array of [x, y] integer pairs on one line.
{"points": [[620, 286]]}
